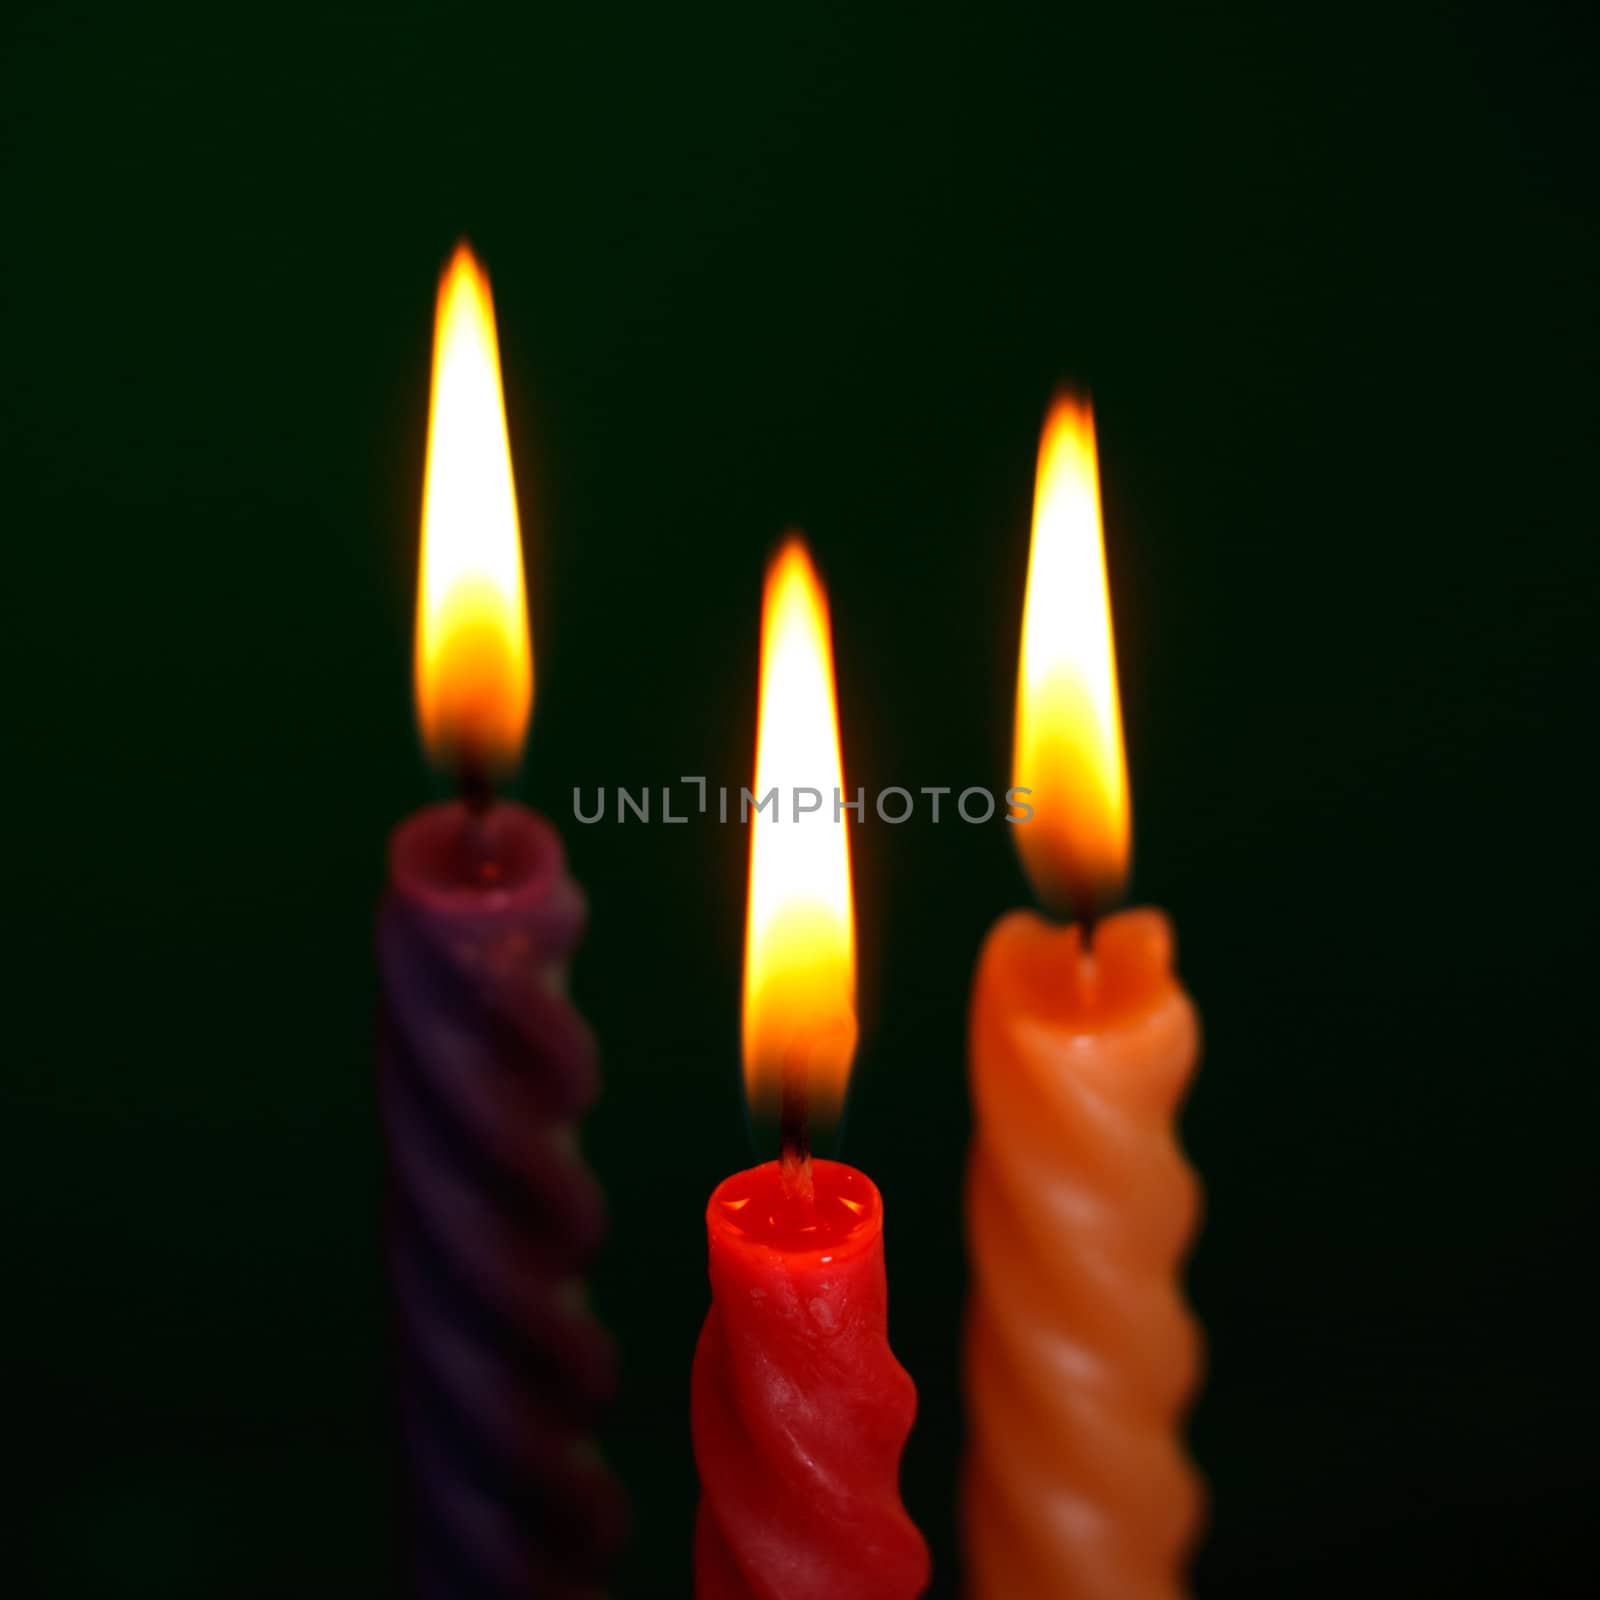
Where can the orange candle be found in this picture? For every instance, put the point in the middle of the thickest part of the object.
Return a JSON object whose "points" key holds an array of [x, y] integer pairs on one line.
{"points": [[1081, 1355]]}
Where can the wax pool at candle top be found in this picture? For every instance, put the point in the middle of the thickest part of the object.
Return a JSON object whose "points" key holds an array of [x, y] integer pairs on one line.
{"points": [[475, 861], [1116, 978], [843, 1215]]}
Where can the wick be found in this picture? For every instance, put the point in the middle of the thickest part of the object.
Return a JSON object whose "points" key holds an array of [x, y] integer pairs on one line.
{"points": [[476, 795], [478, 854], [1085, 975], [1086, 899], [794, 1160]]}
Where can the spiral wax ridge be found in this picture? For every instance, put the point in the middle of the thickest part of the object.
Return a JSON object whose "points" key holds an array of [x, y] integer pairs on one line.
{"points": [[492, 1216], [1081, 1354], [800, 1413]]}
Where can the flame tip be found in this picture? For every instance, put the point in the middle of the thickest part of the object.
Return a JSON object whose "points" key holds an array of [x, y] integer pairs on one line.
{"points": [[464, 270], [792, 551]]}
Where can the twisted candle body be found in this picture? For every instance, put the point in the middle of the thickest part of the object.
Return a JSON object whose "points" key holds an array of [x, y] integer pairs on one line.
{"points": [[800, 1410], [485, 1069], [1081, 1354]]}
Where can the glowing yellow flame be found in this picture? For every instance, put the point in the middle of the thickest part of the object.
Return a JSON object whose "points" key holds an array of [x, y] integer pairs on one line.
{"points": [[474, 657], [1069, 722], [799, 958]]}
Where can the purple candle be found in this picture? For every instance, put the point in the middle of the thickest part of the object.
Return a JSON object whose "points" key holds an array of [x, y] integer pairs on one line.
{"points": [[486, 1067]]}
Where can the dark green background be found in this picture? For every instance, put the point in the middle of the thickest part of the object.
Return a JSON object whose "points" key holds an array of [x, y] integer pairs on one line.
{"points": [[1333, 281]]}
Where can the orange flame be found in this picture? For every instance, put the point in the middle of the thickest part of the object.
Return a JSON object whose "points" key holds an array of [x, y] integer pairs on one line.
{"points": [[474, 656], [1068, 748], [799, 958]]}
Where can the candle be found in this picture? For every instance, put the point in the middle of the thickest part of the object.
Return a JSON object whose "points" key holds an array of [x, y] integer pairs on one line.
{"points": [[486, 1066], [799, 1409], [1081, 1355]]}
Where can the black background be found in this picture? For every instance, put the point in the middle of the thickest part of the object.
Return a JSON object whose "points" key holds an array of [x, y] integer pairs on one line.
{"points": [[1332, 279]]}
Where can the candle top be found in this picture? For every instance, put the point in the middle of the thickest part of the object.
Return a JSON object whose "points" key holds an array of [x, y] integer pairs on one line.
{"points": [[844, 1216], [454, 859], [1046, 971]]}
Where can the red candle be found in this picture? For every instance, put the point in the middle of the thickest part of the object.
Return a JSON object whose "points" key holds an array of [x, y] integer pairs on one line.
{"points": [[486, 1066], [799, 1409]]}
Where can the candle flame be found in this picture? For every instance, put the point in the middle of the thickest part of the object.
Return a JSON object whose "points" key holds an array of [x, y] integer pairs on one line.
{"points": [[474, 656], [799, 962], [1068, 748]]}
